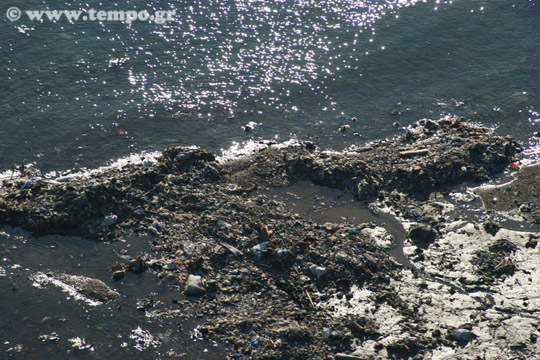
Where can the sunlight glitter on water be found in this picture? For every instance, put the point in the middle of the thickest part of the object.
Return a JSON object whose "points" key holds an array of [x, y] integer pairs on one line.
{"points": [[230, 51], [300, 68]]}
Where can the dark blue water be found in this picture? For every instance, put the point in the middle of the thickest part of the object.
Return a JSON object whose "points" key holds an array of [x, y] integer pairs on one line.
{"points": [[297, 68], [44, 320]]}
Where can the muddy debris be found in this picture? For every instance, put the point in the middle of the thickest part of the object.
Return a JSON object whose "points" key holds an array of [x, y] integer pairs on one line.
{"points": [[260, 277], [519, 197], [97, 290], [497, 260], [84, 288]]}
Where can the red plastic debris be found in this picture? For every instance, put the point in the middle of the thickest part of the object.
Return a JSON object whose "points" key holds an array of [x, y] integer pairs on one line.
{"points": [[514, 166]]}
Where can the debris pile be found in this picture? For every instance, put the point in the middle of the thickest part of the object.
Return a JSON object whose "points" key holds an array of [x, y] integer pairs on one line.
{"points": [[261, 276]]}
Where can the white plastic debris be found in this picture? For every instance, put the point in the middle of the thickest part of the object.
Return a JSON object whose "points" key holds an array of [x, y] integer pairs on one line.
{"points": [[109, 220], [318, 271]]}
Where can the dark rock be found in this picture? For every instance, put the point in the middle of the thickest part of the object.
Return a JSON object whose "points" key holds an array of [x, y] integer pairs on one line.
{"points": [[117, 275], [212, 286], [309, 145], [195, 265], [491, 227], [463, 336], [531, 244], [422, 234]]}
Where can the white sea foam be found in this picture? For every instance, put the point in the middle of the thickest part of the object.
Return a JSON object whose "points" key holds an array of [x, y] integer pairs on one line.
{"points": [[143, 339], [41, 280], [246, 148], [143, 158], [235, 151]]}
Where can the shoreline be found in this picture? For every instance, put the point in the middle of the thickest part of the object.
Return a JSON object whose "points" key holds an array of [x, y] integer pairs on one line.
{"points": [[274, 285]]}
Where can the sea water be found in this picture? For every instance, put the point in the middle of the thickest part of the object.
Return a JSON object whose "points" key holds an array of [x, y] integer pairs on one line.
{"points": [[292, 69]]}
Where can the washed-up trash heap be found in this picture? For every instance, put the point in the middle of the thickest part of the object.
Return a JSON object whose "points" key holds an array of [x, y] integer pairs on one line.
{"points": [[259, 273]]}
